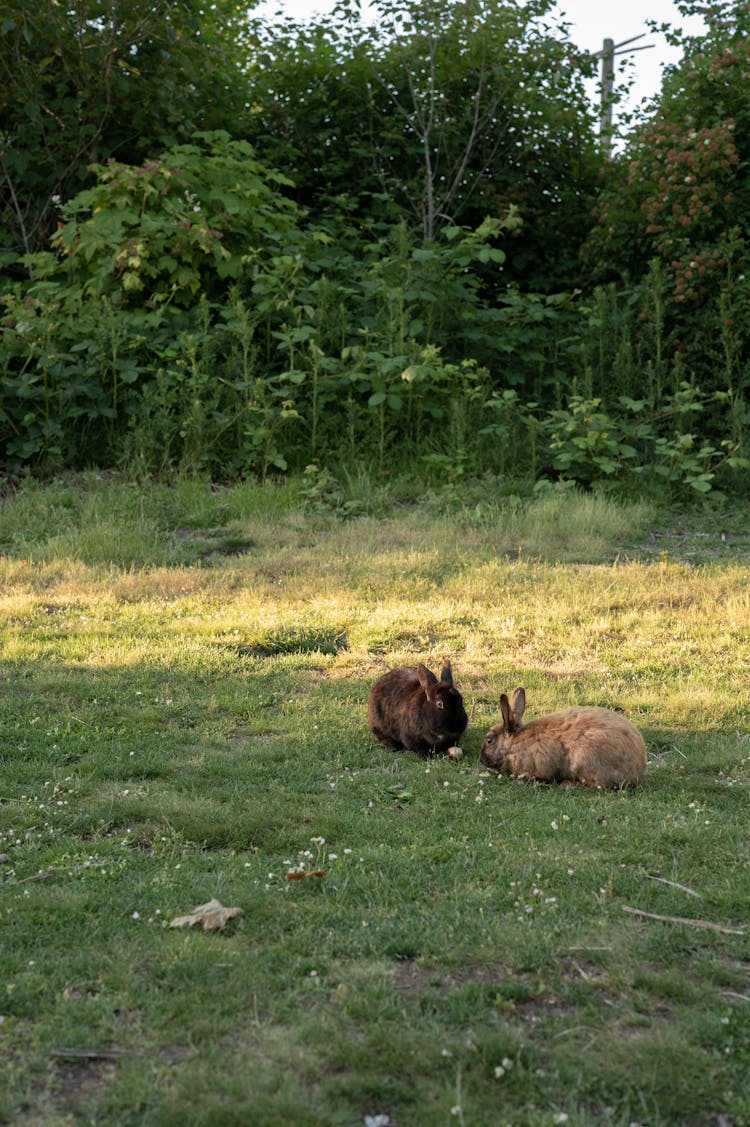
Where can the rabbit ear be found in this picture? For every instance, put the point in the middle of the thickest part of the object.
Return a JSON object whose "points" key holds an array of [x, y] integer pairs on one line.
{"points": [[518, 704], [513, 709], [446, 673], [426, 678], [507, 713]]}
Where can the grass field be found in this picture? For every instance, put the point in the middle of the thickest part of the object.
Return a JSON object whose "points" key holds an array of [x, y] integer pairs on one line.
{"points": [[182, 717]]}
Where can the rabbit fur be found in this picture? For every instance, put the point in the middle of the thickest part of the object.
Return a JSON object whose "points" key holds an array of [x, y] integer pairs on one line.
{"points": [[592, 746], [409, 708]]}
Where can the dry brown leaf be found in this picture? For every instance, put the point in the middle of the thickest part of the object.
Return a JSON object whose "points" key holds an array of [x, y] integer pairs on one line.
{"points": [[211, 916], [303, 875]]}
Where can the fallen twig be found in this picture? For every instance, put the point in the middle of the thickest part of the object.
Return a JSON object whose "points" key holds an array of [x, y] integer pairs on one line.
{"points": [[44, 874], [90, 1054], [673, 884], [567, 1032], [682, 920]]}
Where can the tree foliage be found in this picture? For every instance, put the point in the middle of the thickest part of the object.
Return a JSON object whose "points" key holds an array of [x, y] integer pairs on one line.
{"points": [[85, 80], [440, 113], [677, 204]]}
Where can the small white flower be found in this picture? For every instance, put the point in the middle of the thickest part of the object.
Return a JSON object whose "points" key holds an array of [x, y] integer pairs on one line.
{"points": [[554, 825], [136, 916]]}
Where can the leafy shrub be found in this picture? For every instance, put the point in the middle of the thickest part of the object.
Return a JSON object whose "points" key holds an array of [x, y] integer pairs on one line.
{"points": [[117, 335], [630, 446], [174, 227]]}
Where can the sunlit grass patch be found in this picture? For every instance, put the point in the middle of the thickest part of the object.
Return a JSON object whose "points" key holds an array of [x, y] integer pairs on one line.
{"points": [[555, 523], [296, 639]]}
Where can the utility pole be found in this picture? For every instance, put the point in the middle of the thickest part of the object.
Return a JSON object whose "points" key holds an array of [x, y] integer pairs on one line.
{"points": [[607, 55]]}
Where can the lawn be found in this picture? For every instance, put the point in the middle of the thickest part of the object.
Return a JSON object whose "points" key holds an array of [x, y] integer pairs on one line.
{"points": [[183, 689]]}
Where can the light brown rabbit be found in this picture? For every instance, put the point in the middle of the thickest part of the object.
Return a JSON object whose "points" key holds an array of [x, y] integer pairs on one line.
{"points": [[592, 746]]}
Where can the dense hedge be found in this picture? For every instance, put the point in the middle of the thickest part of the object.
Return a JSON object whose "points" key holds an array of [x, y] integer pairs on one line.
{"points": [[190, 314]]}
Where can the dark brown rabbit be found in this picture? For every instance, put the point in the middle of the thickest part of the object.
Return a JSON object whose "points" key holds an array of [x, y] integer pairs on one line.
{"points": [[592, 746], [410, 708]]}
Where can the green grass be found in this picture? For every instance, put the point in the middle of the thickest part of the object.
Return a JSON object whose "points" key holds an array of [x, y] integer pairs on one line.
{"points": [[182, 716]]}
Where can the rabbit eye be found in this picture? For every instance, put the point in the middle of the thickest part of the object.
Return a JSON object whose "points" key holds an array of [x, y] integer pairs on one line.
{"points": [[490, 738], [440, 703]]}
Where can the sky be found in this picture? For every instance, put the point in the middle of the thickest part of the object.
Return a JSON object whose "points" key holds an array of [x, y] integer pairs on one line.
{"points": [[591, 22]]}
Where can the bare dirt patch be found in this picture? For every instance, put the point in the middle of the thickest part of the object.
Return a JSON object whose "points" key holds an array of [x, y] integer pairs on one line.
{"points": [[79, 1079], [411, 979]]}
